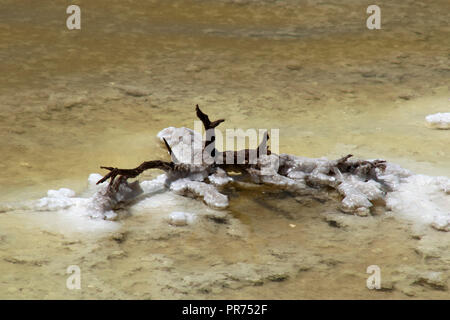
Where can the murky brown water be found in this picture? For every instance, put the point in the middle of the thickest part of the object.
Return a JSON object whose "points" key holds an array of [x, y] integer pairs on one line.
{"points": [[74, 100]]}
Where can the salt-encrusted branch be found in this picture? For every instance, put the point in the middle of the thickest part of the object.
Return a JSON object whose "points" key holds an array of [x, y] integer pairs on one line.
{"points": [[124, 174], [359, 181], [210, 141], [221, 159], [133, 173]]}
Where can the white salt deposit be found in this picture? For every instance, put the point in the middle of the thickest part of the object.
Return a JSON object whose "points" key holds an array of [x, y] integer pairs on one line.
{"points": [[57, 200], [73, 214], [422, 199], [186, 144], [419, 198], [63, 192], [178, 218], [438, 120], [156, 185], [207, 192], [220, 178]]}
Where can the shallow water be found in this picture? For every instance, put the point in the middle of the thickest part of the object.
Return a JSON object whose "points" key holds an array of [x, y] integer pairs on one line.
{"points": [[75, 100]]}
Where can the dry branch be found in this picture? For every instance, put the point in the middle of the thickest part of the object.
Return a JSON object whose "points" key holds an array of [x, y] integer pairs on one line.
{"points": [[292, 172], [220, 158]]}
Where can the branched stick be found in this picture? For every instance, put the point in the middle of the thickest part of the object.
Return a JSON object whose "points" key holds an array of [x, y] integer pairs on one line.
{"points": [[247, 158], [205, 119], [125, 174], [221, 158], [209, 126], [209, 130], [244, 158], [132, 173]]}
